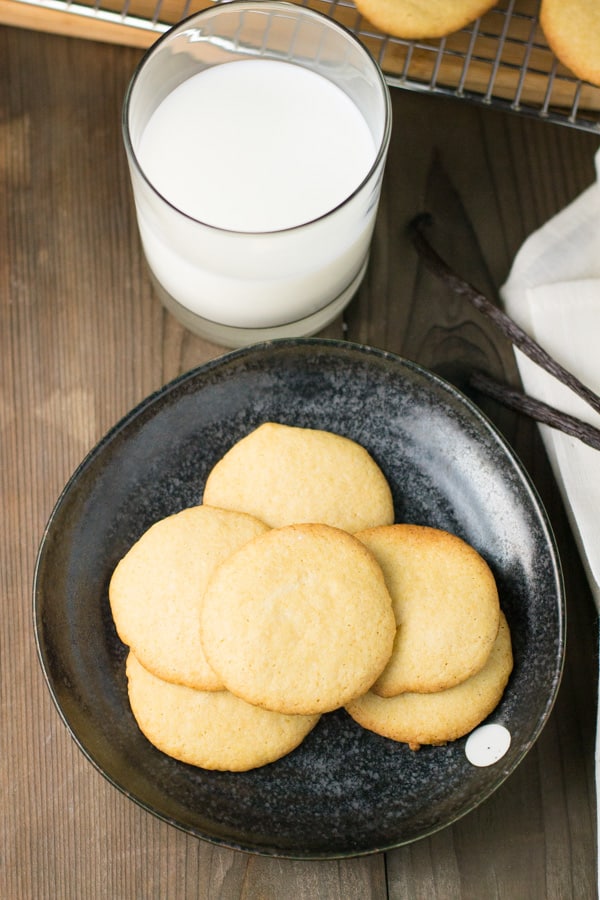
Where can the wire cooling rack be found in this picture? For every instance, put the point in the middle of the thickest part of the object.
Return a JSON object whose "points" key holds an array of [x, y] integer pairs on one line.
{"points": [[501, 60]]}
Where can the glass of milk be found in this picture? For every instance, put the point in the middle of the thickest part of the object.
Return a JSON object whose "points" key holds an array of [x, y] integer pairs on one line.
{"points": [[256, 133]]}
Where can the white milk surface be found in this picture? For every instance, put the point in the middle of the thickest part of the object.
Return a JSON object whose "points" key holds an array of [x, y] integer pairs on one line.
{"points": [[256, 145], [249, 150]]}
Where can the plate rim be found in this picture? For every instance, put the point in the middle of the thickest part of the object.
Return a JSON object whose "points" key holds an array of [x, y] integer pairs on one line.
{"points": [[335, 346]]}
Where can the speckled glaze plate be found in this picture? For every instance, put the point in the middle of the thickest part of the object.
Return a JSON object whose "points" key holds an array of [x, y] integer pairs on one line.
{"points": [[345, 791]]}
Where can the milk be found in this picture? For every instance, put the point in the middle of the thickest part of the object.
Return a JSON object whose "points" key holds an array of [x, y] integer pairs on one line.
{"points": [[256, 145], [259, 162]]}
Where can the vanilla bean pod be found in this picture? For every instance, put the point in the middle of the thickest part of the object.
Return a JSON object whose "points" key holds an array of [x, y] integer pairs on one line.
{"points": [[507, 326], [536, 409]]}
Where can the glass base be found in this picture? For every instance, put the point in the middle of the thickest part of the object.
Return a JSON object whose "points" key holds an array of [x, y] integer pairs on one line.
{"points": [[233, 337]]}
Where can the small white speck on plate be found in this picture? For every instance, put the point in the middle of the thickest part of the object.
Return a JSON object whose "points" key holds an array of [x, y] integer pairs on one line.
{"points": [[487, 744]]}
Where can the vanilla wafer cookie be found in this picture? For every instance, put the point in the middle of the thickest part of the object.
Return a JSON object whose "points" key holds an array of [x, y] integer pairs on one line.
{"points": [[572, 29], [285, 475], [211, 729], [446, 606], [156, 589], [299, 620], [413, 19], [441, 716]]}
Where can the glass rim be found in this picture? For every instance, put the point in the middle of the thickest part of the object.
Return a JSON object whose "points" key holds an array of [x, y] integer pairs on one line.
{"points": [[283, 5]]}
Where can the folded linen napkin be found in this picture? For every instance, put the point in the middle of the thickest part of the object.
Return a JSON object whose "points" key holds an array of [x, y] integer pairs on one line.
{"points": [[553, 292]]}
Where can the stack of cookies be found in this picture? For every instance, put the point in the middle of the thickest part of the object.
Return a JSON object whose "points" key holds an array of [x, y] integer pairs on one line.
{"points": [[452, 655], [290, 593]]}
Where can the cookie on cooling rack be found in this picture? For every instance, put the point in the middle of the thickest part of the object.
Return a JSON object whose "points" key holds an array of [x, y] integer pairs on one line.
{"points": [[413, 19], [572, 29]]}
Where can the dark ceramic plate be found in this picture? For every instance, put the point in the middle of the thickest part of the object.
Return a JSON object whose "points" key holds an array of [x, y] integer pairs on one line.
{"points": [[345, 791]]}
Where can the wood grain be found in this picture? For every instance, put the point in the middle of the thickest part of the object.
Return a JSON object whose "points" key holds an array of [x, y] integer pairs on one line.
{"points": [[83, 339]]}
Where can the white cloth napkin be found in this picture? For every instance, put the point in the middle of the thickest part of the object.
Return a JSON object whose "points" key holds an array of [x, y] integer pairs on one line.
{"points": [[553, 292]]}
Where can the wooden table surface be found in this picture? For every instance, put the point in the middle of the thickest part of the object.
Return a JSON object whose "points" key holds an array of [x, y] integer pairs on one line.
{"points": [[83, 339]]}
